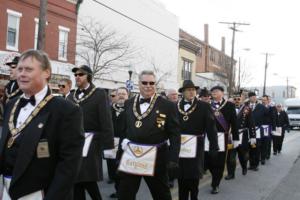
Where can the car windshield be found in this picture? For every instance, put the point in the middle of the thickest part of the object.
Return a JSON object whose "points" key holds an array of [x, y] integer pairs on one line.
{"points": [[295, 110]]}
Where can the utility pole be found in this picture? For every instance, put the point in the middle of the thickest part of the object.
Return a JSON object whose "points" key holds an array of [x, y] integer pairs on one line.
{"points": [[239, 80], [265, 76], [287, 87], [42, 24], [234, 29]]}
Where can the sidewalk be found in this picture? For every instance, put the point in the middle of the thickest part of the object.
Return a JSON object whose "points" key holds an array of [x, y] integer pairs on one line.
{"points": [[289, 187]]}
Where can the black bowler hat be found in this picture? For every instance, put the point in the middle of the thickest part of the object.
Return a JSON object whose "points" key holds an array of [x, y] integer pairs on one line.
{"points": [[14, 61], [187, 84], [204, 92], [217, 88], [84, 68], [251, 94]]}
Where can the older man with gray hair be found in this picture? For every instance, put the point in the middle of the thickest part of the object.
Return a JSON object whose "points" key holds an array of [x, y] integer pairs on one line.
{"points": [[150, 120], [172, 95]]}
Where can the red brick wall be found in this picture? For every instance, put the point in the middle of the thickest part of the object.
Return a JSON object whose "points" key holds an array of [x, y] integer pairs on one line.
{"points": [[60, 13]]}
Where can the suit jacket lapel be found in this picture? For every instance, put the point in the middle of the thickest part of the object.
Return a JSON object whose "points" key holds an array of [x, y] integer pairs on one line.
{"points": [[31, 137]]}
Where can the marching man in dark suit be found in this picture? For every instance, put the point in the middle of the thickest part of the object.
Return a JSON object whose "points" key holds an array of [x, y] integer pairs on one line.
{"points": [[196, 122], [98, 130], [260, 115], [226, 121], [12, 88], [41, 144], [246, 131], [281, 125], [118, 115], [150, 121]]}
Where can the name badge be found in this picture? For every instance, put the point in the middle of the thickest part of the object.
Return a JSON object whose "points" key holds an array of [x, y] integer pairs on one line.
{"points": [[139, 160], [43, 150], [188, 148]]}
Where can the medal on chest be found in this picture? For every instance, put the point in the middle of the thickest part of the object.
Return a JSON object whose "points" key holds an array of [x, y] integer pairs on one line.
{"points": [[186, 113], [138, 122]]}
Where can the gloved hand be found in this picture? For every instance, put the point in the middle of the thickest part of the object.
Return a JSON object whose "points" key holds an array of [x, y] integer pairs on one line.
{"points": [[124, 144], [236, 143], [253, 141]]}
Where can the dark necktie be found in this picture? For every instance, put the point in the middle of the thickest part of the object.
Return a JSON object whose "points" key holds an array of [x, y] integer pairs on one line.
{"points": [[142, 100]]}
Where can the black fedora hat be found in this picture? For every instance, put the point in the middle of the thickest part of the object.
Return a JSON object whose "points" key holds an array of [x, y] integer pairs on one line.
{"points": [[187, 84], [14, 61]]}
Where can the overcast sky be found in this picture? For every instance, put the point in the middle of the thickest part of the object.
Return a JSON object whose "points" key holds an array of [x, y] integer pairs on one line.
{"points": [[273, 29]]}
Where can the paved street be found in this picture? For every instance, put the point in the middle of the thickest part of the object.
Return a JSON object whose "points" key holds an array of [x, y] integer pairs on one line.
{"points": [[275, 180]]}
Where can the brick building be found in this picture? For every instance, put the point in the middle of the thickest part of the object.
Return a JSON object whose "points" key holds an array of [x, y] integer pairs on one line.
{"points": [[19, 30], [212, 65]]}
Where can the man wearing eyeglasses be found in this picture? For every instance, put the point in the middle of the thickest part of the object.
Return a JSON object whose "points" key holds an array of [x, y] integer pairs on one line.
{"points": [[226, 122], [150, 121], [12, 88], [204, 95], [65, 86], [246, 131], [98, 132]]}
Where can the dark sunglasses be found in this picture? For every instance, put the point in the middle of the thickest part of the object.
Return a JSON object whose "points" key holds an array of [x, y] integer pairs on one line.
{"points": [[237, 99], [79, 74], [147, 83], [61, 86], [112, 95]]}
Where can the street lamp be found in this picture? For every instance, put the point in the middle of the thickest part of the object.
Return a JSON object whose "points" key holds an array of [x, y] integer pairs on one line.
{"points": [[130, 74]]}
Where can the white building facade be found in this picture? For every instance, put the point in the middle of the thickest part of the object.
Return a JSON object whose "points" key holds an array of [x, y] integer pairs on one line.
{"points": [[152, 31]]}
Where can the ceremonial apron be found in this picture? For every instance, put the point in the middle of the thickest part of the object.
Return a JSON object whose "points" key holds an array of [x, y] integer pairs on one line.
{"points": [[139, 159], [39, 195], [188, 148]]}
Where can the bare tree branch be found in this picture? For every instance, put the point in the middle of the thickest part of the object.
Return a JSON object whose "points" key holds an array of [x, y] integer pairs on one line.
{"points": [[102, 49]]}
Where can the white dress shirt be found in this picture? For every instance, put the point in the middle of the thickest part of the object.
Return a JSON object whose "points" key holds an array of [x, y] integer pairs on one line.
{"points": [[82, 93], [145, 105], [27, 110], [187, 106]]}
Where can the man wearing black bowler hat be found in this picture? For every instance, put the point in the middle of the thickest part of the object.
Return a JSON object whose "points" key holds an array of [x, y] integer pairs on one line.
{"points": [[226, 121], [196, 122], [98, 130]]}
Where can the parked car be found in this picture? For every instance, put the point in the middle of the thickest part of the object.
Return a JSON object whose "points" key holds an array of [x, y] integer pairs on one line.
{"points": [[292, 107]]}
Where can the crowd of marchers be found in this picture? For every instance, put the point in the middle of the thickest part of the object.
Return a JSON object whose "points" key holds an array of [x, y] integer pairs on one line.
{"points": [[52, 146]]}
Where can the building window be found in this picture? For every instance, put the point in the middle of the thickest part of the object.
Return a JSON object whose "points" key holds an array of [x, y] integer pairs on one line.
{"points": [[63, 43], [187, 70], [13, 24]]}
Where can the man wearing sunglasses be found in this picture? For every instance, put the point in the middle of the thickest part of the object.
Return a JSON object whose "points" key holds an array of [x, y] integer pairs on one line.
{"points": [[113, 96], [150, 121], [246, 130], [12, 88], [226, 122], [204, 95], [98, 130], [65, 86], [196, 122]]}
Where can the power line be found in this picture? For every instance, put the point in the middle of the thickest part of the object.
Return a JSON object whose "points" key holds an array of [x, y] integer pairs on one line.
{"points": [[134, 20]]}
